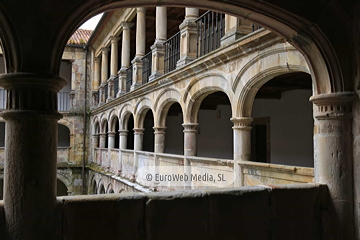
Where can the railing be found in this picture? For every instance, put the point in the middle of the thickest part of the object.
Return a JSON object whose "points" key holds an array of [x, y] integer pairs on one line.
{"points": [[127, 157], [116, 86], [146, 67], [129, 77], [172, 52], [3, 98], [106, 91], [254, 173], [63, 101], [255, 27], [210, 30]]}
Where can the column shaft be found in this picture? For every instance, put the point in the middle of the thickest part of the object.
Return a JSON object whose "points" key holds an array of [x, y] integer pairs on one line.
{"points": [[114, 56], [102, 140], [140, 32], [190, 138], [97, 73], [242, 146], [333, 158], [104, 65], [111, 139], [30, 155], [159, 139]]}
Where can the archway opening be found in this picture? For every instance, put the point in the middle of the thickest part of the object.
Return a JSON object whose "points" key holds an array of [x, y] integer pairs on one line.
{"points": [[174, 140], [61, 189], [111, 191], [130, 136], [282, 129], [63, 136], [97, 136], [148, 139], [102, 189], [215, 137], [94, 187], [115, 130], [105, 132]]}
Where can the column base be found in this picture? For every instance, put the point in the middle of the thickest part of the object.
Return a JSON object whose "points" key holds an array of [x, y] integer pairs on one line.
{"points": [[231, 37], [134, 86], [182, 62], [154, 76]]}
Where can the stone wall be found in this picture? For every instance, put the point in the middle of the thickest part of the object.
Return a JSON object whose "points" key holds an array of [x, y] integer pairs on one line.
{"points": [[276, 212]]}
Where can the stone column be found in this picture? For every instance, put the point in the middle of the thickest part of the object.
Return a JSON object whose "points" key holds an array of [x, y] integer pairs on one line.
{"points": [[104, 65], [111, 139], [333, 164], [138, 138], [188, 35], [140, 47], [159, 139], [122, 145], [114, 56], [138, 145], [95, 140], [190, 138], [158, 49], [102, 140], [242, 146], [30, 155], [97, 73]]}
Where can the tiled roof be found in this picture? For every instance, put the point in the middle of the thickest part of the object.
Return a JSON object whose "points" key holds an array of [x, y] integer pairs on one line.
{"points": [[80, 37]]}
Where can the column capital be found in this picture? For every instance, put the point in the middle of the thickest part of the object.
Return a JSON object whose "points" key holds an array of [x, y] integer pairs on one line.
{"points": [[159, 130], [141, 9], [114, 39], [97, 59], [190, 127], [111, 134], [126, 25], [333, 105], [123, 132], [139, 131], [243, 123], [95, 135], [102, 135], [105, 50], [31, 95]]}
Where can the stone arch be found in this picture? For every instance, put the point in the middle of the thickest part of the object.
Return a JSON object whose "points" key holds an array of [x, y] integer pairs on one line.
{"points": [[248, 92], [196, 100], [310, 37], [68, 124], [64, 136], [199, 89], [141, 108], [109, 187], [112, 121], [104, 125], [163, 102], [124, 114]]}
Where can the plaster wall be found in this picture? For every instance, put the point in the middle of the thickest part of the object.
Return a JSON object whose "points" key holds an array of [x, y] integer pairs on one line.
{"points": [[291, 127]]}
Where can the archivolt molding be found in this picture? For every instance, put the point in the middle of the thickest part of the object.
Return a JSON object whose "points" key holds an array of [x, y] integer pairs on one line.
{"points": [[104, 123], [278, 60], [161, 114], [166, 94], [141, 108], [191, 115], [205, 80], [64, 179], [124, 114], [68, 124], [251, 87]]}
